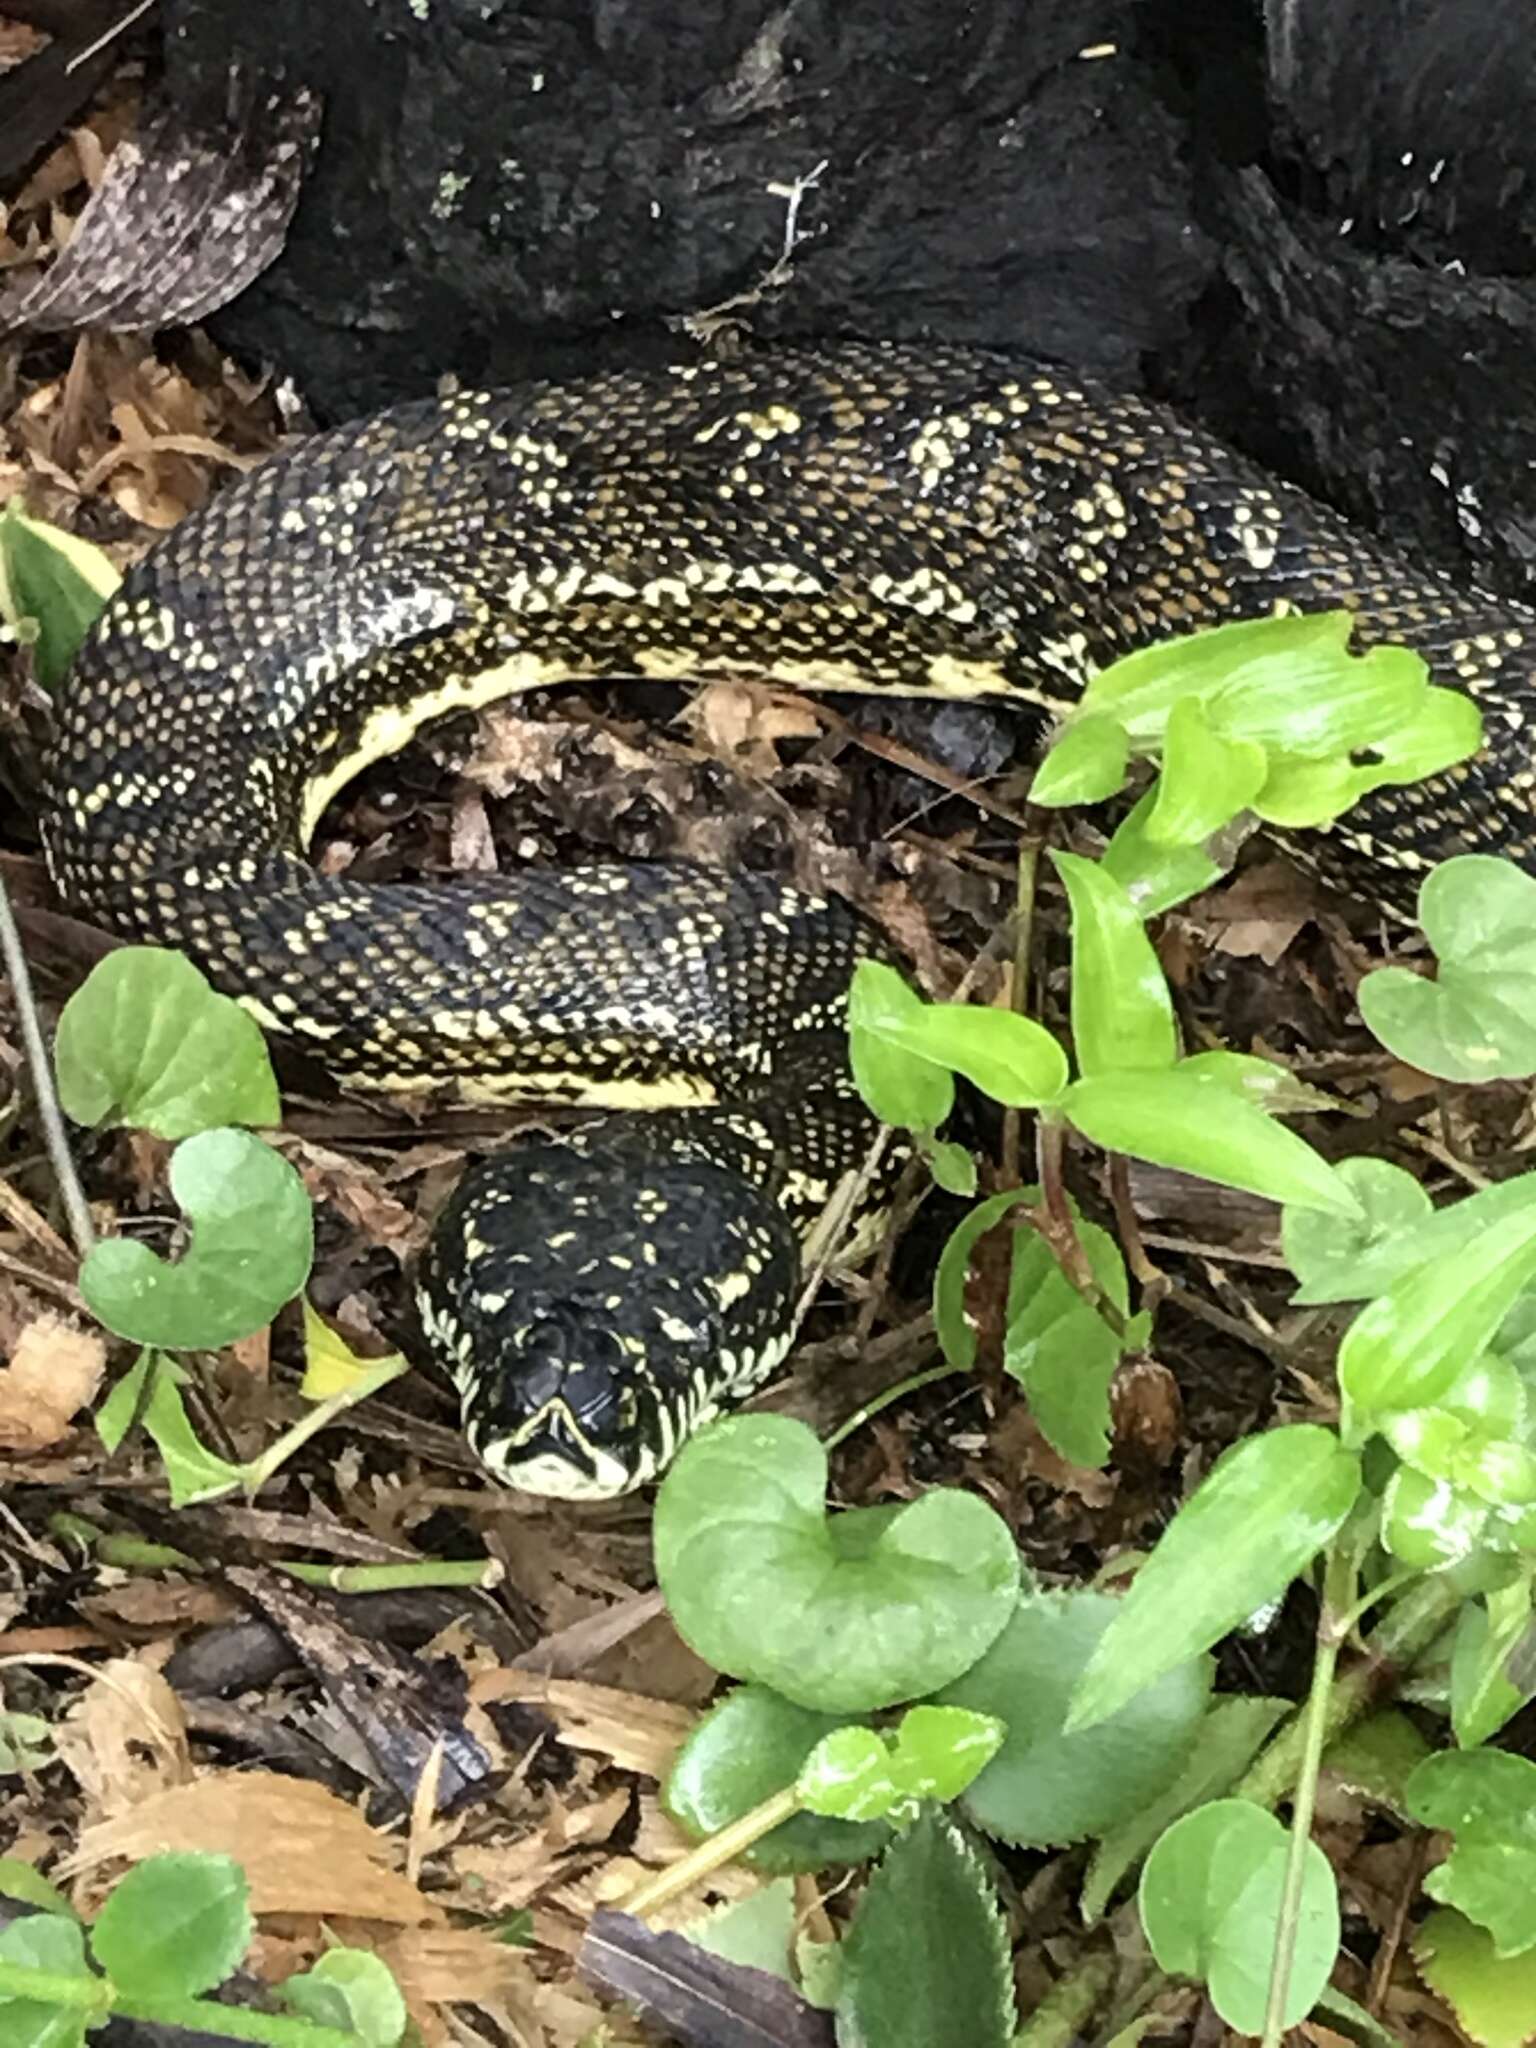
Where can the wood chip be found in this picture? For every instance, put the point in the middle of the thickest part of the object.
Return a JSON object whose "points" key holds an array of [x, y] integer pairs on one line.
{"points": [[54, 1370]]}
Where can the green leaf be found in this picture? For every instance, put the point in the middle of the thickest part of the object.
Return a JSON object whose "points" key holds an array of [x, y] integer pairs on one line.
{"points": [[1473, 1023], [1156, 877], [939, 1750], [145, 1041], [1122, 1014], [1060, 1349], [351, 1989], [956, 1337], [747, 1747], [1086, 763], [847, 1776], [52, 1943], [953, 1168], [1376, 1758], [21, 1880], [1484, 1695], [843, 1613], [1492, 1996], [252, 1242], [1010, 1058], [1046, 1787], [53, 585], [1487, 1800], [900, 1087], [757, 1931], [1379, 1266], [1197, 1125], [1263, 1512], [194, 1472], [926, 1963], [1210, 1905], [1406, 1348], [175, 1926], [26, 1742], [1285, 666], [1229, 1738], [1207, 778], [1335, 1258]]}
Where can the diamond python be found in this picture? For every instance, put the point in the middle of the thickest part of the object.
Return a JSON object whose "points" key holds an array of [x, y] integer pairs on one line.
{"points": [[938, 522]]}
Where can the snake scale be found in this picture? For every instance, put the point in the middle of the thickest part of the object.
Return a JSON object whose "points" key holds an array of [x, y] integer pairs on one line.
{"points": [[934, 521]]}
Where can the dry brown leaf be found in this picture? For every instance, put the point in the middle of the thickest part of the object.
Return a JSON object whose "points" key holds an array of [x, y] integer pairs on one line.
{"points": [[126, 1739], [514, 1873], [741, 723], [1259, 915], [54, 1371], [629, 1729], [303, 1850]]}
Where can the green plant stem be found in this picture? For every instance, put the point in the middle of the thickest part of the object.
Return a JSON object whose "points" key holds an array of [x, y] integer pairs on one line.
{"points": [[135, 1553], [1062, 2016], [1332, 1630], [721, 1848], [899, 1392], [1023, 948], [55, 1137], [1404, 1633], [98, 1997], [256, 1474]]}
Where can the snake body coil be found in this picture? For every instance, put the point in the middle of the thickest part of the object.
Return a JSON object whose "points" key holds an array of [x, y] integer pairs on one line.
{"points": [[936, 522]]}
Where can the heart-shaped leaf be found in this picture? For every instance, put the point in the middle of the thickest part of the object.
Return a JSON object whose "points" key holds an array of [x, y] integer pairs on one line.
{"points": [[1492, 1996], [1210, 1904], [841, 1613], [145, 1041], [252, 1242], [1475, 1022], [1487, 1800]]}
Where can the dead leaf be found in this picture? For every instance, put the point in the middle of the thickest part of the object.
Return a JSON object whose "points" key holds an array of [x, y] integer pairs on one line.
{"points": [[55, 1370], [303, 1850], [630, 1730], [742, 723], [126, 1739]]}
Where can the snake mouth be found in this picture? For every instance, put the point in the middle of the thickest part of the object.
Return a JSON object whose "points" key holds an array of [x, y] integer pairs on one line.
{"points": [[550, 1455]]}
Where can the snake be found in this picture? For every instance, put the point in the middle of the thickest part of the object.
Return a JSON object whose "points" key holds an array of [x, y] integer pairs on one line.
{"points": [[894, 519]]}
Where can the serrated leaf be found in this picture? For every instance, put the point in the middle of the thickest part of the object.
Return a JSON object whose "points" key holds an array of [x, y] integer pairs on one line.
{"points": [[1337, 1258], [175, 1926], [146, 1041], [1122, 1013], [844, 1613], [1474, 1022], [1229, 1738], [1086, 763], [1196, 1125], [926, 1963], [53, 586], [252, 1243], [1207, 778], [1154, 877], [1265, 1509], [1492, 1996], [352, 1989], [748, 1746], [847, 1776], [939, 1750], [1210, 1905], [1487, 1800], [1405, 1349], [1046, 1787]]}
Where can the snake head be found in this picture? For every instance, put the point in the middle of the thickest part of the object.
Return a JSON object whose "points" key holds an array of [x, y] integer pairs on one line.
{"points": [[595, 1305]]}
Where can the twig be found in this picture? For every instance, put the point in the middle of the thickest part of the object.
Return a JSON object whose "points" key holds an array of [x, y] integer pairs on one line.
{"points": [[56, 1138]]}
